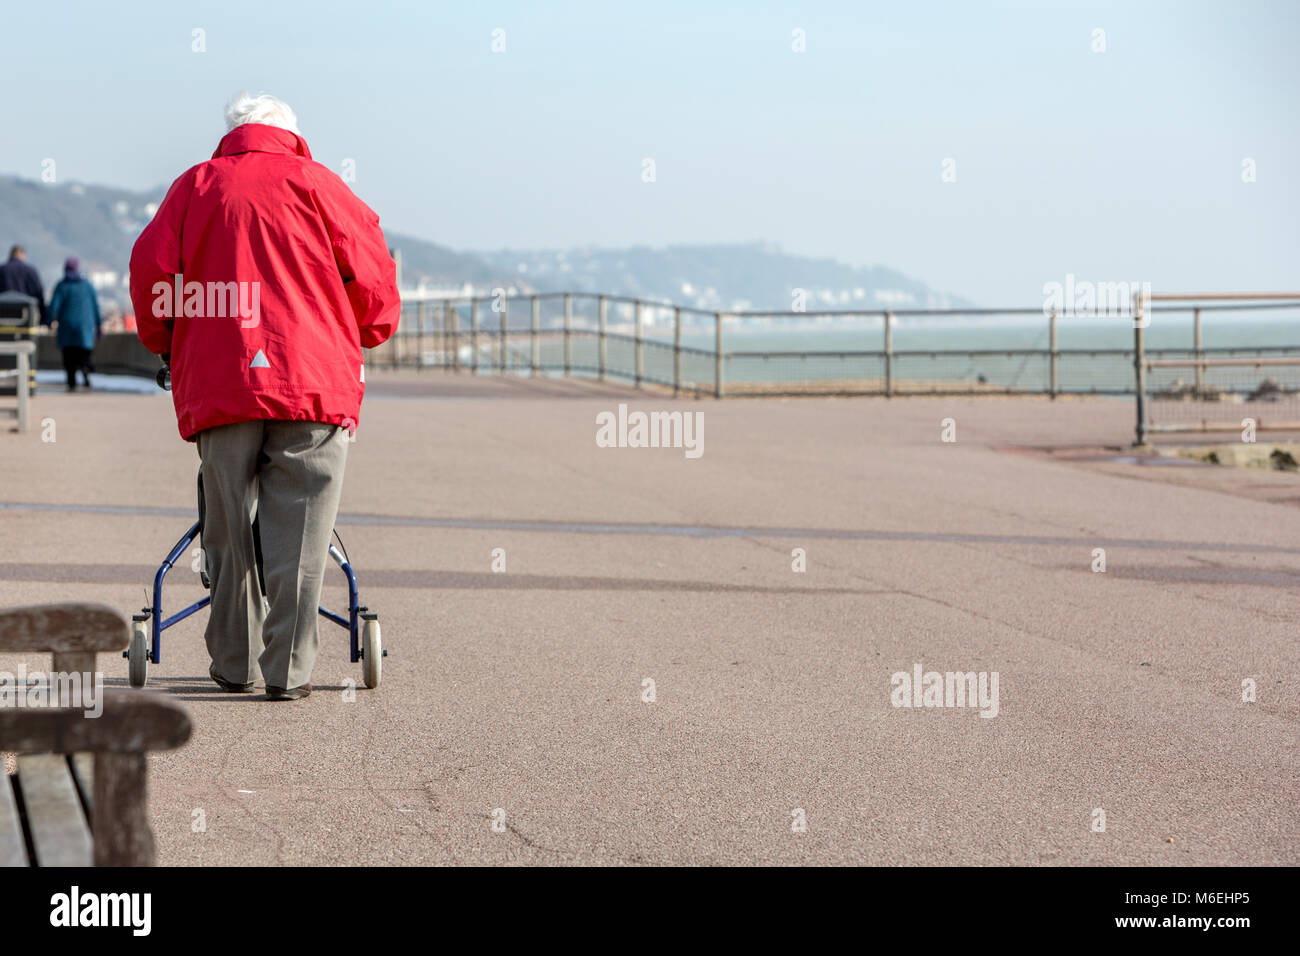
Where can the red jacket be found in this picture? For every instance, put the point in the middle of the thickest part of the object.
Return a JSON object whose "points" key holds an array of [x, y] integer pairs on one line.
{"points": [[285, 276]]}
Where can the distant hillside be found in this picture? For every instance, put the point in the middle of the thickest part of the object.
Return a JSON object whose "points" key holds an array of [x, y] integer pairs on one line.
{"points": [[757, 275], [95, 223], [99, 224]]}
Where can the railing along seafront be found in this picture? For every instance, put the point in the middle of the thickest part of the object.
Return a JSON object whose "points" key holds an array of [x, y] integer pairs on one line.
{"points": [[683, 348]]}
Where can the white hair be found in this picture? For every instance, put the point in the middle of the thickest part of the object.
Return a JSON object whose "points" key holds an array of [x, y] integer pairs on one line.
{"points": [[263, 108]]}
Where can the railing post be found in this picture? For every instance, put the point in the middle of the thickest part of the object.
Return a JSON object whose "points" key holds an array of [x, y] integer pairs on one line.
{"points": [[1200, 352], [533, 348], [505, 313], [889, 355], [419, 334], [443, 326], [640, 347], [22, 385], [1054, 354], [1140, 365], [473, 334], [396, 340], [568, 334], [718, 385], [455, 336], [677, 350], [604, 342]]}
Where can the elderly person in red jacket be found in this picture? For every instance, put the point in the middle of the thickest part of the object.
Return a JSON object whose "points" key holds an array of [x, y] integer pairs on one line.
{"points": [[260, 280]]}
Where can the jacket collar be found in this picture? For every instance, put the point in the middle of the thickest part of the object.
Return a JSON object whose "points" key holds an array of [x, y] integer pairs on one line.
{"points": [[260, 138]]}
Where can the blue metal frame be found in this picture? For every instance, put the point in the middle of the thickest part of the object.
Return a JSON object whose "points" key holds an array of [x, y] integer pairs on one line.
{"points": [[158, 624]]}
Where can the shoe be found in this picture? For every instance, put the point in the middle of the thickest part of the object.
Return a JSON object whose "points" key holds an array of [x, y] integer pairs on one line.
{"points": [[291, 693], [228, 686]]}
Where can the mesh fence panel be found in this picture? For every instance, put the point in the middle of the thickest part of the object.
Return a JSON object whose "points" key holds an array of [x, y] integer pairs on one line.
{"points": [[1095, 372], [657, 362], [1225, 392], [929, 372], [773, 372]]}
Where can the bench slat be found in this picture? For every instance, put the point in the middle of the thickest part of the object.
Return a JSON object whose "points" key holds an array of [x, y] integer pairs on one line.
{"points": [[60, 832], [13, 848]]}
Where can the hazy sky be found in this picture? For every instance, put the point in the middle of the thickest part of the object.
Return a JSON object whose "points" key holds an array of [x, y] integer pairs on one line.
{"points": [[1114, 166]]}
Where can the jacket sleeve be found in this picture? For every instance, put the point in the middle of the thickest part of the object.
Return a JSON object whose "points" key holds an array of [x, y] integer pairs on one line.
{"points": [[37, 292], [51, 315], [368, 271], [155, 259]]}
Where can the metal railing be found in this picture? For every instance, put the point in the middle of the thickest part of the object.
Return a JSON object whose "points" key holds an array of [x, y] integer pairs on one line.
{"points": [[1204, 405], [511, 335], [684, 348]]}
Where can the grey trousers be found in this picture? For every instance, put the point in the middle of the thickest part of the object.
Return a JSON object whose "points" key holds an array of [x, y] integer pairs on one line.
{"points": [[290, 474]]}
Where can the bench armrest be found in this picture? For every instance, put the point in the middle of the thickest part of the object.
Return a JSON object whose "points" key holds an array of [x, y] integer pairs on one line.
{"points": [[63, 627]]}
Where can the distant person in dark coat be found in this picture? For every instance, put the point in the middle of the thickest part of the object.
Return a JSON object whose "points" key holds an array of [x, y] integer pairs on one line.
{"points": [[17, 276], [74, 309]]}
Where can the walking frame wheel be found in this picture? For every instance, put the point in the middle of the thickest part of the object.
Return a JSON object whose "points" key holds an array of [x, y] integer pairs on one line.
{"points": [[372, 653], [137, 654]]}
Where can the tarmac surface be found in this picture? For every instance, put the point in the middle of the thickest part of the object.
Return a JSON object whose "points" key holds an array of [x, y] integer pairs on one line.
{"points": [[512, 724]]}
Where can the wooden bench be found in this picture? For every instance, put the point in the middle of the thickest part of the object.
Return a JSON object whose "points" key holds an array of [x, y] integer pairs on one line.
{"points": [[80, 794], [24, 352]]}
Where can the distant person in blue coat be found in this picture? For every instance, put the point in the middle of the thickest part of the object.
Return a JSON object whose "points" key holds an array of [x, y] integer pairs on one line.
{"points": [[17, 275], [74, 310]]}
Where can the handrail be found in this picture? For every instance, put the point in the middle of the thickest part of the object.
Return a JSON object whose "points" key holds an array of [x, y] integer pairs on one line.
{"points": [[644, 349], [1269, 300]]}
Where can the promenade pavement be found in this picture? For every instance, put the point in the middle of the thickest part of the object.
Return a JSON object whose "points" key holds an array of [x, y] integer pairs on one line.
{"points": [[512, 725]]}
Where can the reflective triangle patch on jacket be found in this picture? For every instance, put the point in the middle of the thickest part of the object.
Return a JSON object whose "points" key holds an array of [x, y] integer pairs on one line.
{"points": [[259, 360]]}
